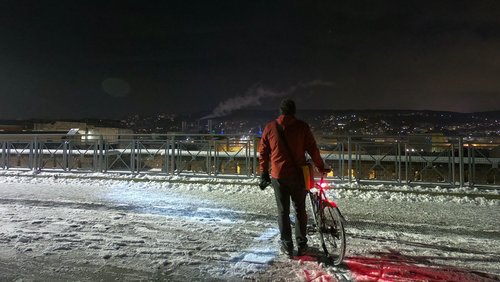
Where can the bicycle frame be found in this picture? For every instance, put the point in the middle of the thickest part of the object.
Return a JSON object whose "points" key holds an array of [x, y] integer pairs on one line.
{"points": [[323, 199], [319, 203], [322, 194], [317, 198]]}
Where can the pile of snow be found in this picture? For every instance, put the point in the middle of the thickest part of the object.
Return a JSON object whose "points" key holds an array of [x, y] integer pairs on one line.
{"points": [[231, 185]]}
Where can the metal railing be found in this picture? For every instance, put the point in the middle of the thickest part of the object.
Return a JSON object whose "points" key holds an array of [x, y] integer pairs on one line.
{"points": [[450, 161]]}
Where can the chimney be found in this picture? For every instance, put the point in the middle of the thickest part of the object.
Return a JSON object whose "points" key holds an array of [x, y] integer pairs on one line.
{"points": [[209, 125]]}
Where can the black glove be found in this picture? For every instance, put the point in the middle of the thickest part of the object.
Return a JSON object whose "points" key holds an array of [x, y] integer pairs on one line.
{"points": [[265, 180]]}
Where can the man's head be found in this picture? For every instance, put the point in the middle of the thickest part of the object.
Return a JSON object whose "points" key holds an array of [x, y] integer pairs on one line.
{"points": [[287, 107]]}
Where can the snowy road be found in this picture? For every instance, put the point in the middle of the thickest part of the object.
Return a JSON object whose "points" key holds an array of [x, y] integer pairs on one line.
{"points": [[61, 229]]}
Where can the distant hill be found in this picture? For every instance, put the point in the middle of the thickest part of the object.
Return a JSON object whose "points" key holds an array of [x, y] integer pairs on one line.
{"points": [[306, 114], [337, 121]]}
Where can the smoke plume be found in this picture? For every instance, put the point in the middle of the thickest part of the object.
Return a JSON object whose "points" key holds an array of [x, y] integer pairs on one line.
{"points": [[255, 95]]}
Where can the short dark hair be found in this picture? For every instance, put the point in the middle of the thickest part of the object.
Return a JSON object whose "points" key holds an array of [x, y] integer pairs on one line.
{"points": [[287, 107]]}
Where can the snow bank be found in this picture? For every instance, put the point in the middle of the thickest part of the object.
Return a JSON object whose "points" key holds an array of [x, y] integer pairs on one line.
{"points": [[403, 193]]}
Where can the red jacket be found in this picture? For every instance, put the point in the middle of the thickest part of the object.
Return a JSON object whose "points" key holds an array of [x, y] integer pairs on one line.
{"points": [[300, 140]]}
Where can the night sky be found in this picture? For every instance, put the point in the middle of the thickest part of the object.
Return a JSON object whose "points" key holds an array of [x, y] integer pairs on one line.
{"points": [[110, 59]]}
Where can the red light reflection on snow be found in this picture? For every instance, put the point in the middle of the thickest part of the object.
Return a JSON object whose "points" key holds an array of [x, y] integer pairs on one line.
{"points": [[317, 276], [393, 266], [315, 272]]}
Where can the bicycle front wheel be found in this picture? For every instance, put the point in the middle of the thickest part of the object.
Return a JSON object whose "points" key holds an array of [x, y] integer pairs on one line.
{"points": [[333, 232]]}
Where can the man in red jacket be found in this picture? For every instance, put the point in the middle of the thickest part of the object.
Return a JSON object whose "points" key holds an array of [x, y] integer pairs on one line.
{"points": [[287, 180]]}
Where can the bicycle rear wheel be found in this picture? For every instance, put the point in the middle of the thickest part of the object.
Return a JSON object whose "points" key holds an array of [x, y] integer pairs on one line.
{"points": [[333, 232]]}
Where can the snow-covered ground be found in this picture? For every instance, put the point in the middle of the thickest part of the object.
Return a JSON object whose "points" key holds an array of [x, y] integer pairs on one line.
{"points": [[102, 227]]}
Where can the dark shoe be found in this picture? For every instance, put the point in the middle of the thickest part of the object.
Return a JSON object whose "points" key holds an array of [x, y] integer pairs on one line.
{"points": [[302, 250], [287, 249]]}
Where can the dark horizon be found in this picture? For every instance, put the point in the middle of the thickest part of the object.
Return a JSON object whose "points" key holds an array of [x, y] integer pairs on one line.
{"points": [[108, 59], [256, 113]]}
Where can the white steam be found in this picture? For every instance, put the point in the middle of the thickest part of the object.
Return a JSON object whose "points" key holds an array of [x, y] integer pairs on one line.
{"points": [[254, 95]]}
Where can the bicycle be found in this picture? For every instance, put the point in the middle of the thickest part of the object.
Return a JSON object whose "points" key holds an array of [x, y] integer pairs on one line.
{"points": [[329, 222]]}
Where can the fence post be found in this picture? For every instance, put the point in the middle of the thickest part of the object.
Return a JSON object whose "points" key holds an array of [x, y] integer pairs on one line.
{"points": [[453, 172], [461, 160], [407, 163], [255, 169], [166, 165], [4, 153], [33, 158], [471, 158], [398, 156], [212, 162], [172, 167], [65, 156], [7, 157], [349, 159], [341, 160], [133, 155], [100, 146], [138, 156]]}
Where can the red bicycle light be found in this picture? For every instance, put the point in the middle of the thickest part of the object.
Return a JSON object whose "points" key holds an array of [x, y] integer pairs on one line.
{"points": [[323, 184]]}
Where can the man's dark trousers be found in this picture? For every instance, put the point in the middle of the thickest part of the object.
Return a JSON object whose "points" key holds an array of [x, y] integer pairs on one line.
{"points": [[284, 189]]}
